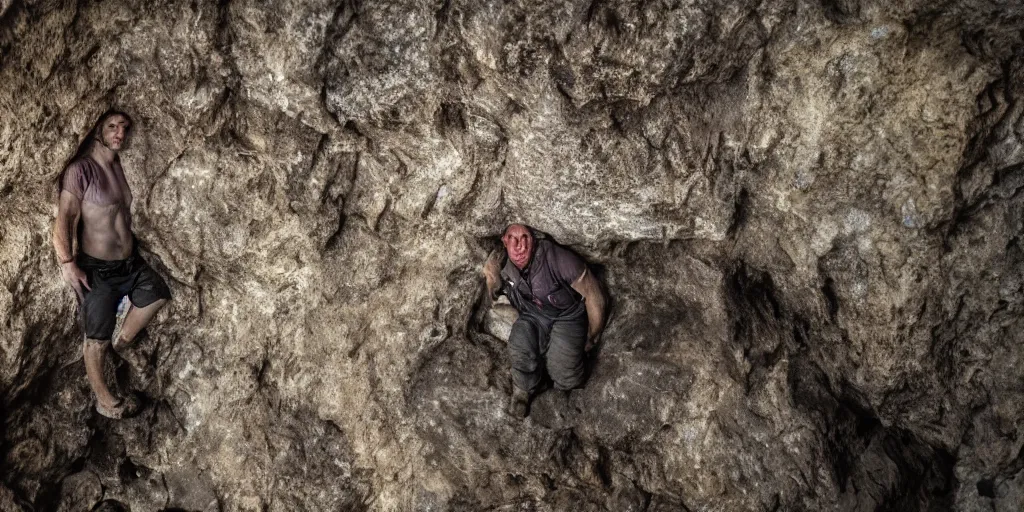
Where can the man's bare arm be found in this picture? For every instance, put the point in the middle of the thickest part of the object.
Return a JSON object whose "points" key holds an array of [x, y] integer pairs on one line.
{"points": [[69, 212], [590, 289]]}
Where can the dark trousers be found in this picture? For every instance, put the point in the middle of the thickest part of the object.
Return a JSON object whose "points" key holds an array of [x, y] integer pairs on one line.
{"points": [[557, 343]]}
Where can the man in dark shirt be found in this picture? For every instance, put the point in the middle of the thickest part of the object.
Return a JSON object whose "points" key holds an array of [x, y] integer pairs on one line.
{"points": [[561, 311], [95, 211]]}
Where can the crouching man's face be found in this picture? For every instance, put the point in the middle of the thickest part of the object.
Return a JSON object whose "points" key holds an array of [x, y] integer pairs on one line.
{"points": [[519, 245]]}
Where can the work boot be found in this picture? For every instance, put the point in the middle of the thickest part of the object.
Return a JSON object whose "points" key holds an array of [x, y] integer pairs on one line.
{"points": [[519, 405]]}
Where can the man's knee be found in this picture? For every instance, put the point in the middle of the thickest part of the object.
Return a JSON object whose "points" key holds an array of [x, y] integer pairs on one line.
{"points": [[96, 346], [566, 377], [522, 346], [523, 360], [565, 365], [155, 306], [565, 360]]}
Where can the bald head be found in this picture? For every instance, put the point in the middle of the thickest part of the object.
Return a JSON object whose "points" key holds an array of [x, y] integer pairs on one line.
{"points": [[519, 243]]}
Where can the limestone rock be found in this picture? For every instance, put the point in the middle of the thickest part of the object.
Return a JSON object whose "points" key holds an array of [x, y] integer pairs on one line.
{"points": [[808, 217]]}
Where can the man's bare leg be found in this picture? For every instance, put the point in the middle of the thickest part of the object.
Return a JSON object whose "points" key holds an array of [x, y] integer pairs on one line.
{"points": [[107, 404], [137, 319], [94, 351]]}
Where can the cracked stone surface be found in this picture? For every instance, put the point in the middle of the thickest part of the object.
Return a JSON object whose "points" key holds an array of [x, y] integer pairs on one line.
{"points": [[807, 214]]}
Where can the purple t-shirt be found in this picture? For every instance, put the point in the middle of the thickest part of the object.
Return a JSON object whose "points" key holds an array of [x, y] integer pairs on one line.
{"points": [[548, 279], [87, 181]]}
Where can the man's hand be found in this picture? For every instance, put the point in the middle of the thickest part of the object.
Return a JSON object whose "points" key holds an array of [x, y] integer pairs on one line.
{"points": [[75, 278], [492, 272]]}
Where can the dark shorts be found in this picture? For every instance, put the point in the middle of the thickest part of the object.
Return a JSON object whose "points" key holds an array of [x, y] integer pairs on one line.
{"points": [[110, 282]]}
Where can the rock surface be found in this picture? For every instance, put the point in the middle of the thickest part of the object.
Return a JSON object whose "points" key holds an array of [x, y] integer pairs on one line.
{"points": [[808, 216]]}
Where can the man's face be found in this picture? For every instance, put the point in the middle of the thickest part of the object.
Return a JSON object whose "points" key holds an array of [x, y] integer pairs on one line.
{"points": [[114, 132], [519, 245]]}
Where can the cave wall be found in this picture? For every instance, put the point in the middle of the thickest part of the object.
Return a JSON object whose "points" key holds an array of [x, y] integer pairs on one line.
{"points": [[807, 215]]}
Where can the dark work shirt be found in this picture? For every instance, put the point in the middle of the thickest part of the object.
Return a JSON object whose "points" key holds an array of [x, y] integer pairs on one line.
{"points": [[547, 280]]}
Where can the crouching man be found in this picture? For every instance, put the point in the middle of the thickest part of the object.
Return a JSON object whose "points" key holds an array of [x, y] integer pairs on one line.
{"points": [[561, 311]]}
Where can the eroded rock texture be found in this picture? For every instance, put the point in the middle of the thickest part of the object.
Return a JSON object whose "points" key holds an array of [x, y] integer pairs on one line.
{"points": [[808, 215]]}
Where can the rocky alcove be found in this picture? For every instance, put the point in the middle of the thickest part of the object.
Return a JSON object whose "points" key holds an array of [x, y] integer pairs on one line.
{"points": [[808, 215]]}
